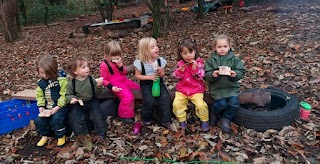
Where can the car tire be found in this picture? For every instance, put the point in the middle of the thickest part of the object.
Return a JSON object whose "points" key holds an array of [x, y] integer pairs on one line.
{"points": [[282, 111]]}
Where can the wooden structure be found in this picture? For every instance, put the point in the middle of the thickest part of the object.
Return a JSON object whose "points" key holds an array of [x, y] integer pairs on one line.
{"points": [[258, 97]]}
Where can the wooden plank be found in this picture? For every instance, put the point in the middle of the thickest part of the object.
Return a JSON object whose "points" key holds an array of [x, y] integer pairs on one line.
{"points": [[28, 94]]}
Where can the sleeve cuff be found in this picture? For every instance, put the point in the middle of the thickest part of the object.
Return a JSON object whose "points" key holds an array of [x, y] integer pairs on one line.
{"points": [[110, 86], [121, 69]]}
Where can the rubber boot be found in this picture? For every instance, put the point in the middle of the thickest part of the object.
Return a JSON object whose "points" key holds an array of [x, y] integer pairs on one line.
{"points": [[183, 125], [225, 125], [61, 141], [213, 119], [42, 141]]}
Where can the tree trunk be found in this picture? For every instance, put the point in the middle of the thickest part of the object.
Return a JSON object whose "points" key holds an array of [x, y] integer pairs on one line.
{"points": [[167, 18], [100, 7], [200, 9], [8, 13], [155, 7], [23, 11], [109, 9]]}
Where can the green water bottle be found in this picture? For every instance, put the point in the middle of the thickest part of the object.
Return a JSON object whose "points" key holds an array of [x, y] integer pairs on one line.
{"points": [[156, 88]]}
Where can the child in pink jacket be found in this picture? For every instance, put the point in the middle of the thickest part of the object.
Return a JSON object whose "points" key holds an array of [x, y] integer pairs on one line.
{"points": [[114, 78], [190, 86]]}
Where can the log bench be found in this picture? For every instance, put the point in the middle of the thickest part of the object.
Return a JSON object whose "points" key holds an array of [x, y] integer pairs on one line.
{"points": [[259, 98]]}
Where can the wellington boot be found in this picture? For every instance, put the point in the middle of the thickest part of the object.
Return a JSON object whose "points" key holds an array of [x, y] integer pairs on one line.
{"points": [[42, 141], [61, 141]]}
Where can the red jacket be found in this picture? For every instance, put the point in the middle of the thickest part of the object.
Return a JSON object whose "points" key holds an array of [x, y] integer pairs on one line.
{"points": [[190, 81]]}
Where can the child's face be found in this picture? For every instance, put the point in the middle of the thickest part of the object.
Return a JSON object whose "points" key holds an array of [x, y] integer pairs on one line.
{"points": [[82, 71], [43, 74], [154, 50], [187, 55], [222, 47]]}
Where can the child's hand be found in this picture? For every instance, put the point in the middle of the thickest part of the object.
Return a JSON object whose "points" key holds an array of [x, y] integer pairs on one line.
{"points": [[99, 81], [55, 110], [117, 61], [160, 71], [116, 89], [41, 109], [154, 77], [233, 73], [182, 68], [215, 73], [119, 64], [194, 65], [73, 101]]}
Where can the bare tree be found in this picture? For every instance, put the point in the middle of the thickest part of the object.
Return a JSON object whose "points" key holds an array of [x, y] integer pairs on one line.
{"points": [[8, 13], [155, 7], [200, 9], [106, 8]]}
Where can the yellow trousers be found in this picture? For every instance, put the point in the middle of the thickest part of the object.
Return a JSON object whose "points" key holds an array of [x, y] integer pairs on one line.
{"points": [[180, 105]]}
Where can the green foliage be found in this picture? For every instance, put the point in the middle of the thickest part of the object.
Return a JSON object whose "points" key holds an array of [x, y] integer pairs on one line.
{"points": [[72, 8]]}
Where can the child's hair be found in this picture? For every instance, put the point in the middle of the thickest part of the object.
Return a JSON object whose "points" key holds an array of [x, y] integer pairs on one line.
{"points": [[221, 36], [113, 49], [49, 65], [144, 48], [190, 45], [74, 63]]}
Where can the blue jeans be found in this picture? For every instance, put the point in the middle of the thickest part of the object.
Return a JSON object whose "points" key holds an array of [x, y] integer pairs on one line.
{"points": [[81, 116], [164, 102], [56, 123], [226, 107]]}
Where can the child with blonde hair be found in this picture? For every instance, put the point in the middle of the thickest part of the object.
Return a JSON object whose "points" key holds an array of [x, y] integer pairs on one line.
{"points": [[81, 93], [190, 85], [149, 67], [223, 70], [51, 98], [114, 77]]}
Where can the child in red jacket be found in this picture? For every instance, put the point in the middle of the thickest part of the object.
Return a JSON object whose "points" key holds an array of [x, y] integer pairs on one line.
{"points": [[190, 73]]}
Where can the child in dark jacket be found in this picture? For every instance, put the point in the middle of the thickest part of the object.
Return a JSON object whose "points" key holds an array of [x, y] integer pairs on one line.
{"points": [[81, 93], [51, 100], [223, 70]]}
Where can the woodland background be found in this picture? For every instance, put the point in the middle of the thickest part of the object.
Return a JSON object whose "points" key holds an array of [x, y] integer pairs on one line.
{"points": [[279, 42]]}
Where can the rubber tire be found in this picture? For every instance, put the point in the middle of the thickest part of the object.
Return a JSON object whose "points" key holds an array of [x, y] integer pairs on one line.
{"points": [[273, 119]]}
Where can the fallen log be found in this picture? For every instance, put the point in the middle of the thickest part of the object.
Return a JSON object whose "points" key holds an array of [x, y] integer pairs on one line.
{"points": [[40, 26], [257, 97]]}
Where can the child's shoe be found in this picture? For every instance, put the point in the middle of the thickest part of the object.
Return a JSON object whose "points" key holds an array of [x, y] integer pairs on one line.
{"points": [[205, 126], [225, 125], [166, 125], [61, 141], [128, 120], [183, 125], [42, 141], [147, 123], [213, 120]]}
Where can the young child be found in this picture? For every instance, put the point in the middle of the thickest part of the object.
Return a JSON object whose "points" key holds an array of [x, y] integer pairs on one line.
{"points": [[51, 98], [114, 77], [81, 93], [190, 86], [148, 68], [223, 84]]}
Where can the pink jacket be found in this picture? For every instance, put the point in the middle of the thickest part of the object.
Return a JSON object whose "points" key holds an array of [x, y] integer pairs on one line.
{"points": [[116, 79], [190, 81]]}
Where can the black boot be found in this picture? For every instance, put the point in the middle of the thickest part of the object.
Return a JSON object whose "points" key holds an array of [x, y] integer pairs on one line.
{"points": [[225, 125], [213, 119]]}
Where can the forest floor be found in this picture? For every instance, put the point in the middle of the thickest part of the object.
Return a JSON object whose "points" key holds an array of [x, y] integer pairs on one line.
{"points": [[281, 49]]}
